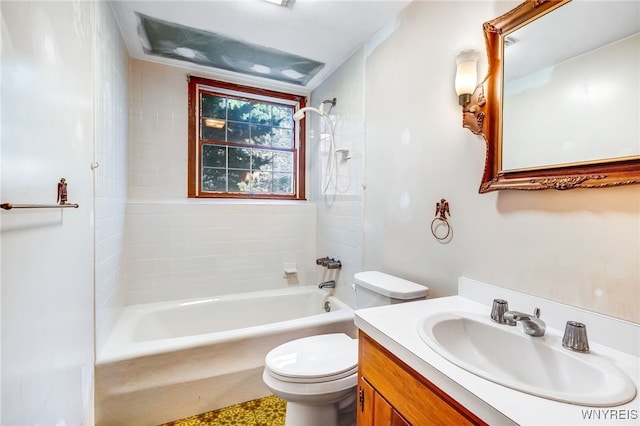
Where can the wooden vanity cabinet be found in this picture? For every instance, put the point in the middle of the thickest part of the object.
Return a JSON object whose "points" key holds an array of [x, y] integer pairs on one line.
{"points": [[390, 393]]}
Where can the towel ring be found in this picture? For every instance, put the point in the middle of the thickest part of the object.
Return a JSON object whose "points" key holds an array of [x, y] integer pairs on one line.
{"points": [[434, 226]]}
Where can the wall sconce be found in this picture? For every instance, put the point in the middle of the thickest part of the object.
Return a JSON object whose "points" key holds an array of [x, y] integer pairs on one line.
{"points": [[466, 86], [466, 75]]}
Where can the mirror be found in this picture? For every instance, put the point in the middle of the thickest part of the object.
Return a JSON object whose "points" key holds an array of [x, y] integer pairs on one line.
{"points": [[562, 103]]}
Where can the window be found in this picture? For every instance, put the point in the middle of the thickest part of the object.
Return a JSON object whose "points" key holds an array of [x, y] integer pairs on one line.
{"points": [[243, 142]]}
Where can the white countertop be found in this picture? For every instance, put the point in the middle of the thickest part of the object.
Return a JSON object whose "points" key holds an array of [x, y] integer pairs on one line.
{"points": [[395, 328]]}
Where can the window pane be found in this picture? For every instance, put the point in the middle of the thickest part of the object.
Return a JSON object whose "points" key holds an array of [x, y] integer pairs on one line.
{"points": [[213, 106], [261, 135], [239, 158], [212, 133], [283, 183], [239, 180], [262, 160], [214, 180], [238, 132], [282, 138], [283, 161], [282, 116], [262, 182], [238, 110], [214, 156], [261, 113]]}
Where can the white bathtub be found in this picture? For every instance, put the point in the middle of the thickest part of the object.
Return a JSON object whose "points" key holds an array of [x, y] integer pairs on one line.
{"points": [[169, 360]]}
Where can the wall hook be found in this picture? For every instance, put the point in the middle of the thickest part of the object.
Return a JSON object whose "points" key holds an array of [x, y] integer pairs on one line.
{"points": [[442, 210]]}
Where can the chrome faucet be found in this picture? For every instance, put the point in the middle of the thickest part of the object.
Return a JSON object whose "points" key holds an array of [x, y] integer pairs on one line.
{"points": [[531, 324], [327, 284]]}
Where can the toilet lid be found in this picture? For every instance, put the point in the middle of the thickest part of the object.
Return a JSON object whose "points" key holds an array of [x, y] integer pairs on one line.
{"points": [[316, 358]]}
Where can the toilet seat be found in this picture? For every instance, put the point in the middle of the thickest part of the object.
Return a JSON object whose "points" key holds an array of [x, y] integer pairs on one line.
{"points": [[315, 359]]}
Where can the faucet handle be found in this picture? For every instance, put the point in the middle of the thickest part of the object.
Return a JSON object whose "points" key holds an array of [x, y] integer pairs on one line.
{"points": [[500, 306], [575, 337]]}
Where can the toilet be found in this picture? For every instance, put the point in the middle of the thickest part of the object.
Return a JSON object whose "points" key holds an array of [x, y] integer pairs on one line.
{"points": [[317, 375]]}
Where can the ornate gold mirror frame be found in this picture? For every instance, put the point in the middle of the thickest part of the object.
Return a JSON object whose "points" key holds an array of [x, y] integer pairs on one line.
{"points": [[483, 117]]}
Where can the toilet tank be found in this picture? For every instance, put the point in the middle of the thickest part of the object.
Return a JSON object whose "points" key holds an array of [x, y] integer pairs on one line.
{"points": [[375, 288]]}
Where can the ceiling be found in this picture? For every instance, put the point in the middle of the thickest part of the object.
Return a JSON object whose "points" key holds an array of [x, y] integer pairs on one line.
{"points": [[316, 35]]}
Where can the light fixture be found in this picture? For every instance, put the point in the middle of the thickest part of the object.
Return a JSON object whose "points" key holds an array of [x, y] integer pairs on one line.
{"points": [[466, 75], [216, 123]]}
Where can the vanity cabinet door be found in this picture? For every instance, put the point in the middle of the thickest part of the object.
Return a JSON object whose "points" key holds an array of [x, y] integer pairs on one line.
{"points": [[365, 403], [398, 420], [374, 410], [394, 394]]}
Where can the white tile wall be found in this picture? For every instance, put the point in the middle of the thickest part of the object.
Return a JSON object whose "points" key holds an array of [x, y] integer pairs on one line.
{"points": [[158, 123], [340, 207], [112, 134], [183, 250], [177, 247]]}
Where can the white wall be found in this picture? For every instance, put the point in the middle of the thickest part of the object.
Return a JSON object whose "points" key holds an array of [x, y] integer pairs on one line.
{"points": [[580, 247], [47, 255], [112, 136], [176, 247]]}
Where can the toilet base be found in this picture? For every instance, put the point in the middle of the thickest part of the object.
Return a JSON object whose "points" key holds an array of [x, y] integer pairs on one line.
{"points": [[311, 415]]}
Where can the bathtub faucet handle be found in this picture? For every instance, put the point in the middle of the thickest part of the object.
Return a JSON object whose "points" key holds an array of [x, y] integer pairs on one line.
{"points": [[322, 261], [327, 284], [334, 264]]}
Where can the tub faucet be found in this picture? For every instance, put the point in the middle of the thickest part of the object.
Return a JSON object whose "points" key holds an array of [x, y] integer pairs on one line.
{"points": [[531, 324], [327, 284]]}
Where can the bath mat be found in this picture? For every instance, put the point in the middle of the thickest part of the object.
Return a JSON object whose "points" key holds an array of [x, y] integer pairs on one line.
{"points": [[268, 411]]}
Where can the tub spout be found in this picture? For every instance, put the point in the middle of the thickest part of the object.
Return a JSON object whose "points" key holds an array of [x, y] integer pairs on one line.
{"points": [[327, 284]]}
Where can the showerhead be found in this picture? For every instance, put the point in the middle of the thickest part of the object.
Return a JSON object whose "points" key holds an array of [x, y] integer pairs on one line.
{"points": [[299, 115]]}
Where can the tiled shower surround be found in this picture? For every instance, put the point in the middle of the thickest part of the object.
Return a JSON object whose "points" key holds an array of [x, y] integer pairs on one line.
{"points": [[177, 250]]}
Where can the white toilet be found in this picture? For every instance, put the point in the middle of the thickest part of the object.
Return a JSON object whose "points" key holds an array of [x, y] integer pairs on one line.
{"points": [[317, 375]]}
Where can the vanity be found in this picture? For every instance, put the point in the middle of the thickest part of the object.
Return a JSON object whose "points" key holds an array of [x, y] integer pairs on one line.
{"points": [[404, 381]]}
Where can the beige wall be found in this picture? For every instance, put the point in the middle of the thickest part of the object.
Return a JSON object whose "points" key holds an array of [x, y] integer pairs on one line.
{"points": [[579, 247]]}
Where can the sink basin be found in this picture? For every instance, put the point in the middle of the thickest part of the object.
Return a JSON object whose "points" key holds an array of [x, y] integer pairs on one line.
{"points": [[536, 365]]}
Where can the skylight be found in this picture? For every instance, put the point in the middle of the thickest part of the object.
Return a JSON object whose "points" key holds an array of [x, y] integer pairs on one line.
{"points": [[169, 40]]}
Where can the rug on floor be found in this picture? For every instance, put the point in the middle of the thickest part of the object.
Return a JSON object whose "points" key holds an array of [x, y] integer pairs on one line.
{"points": [[268, 411]]}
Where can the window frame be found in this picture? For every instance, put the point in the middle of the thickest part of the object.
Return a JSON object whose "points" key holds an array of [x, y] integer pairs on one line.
{"points": [[194, 182]]}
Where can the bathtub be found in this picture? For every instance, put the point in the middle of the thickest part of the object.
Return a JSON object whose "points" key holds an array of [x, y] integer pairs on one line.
{"points": [[169, 360]]}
